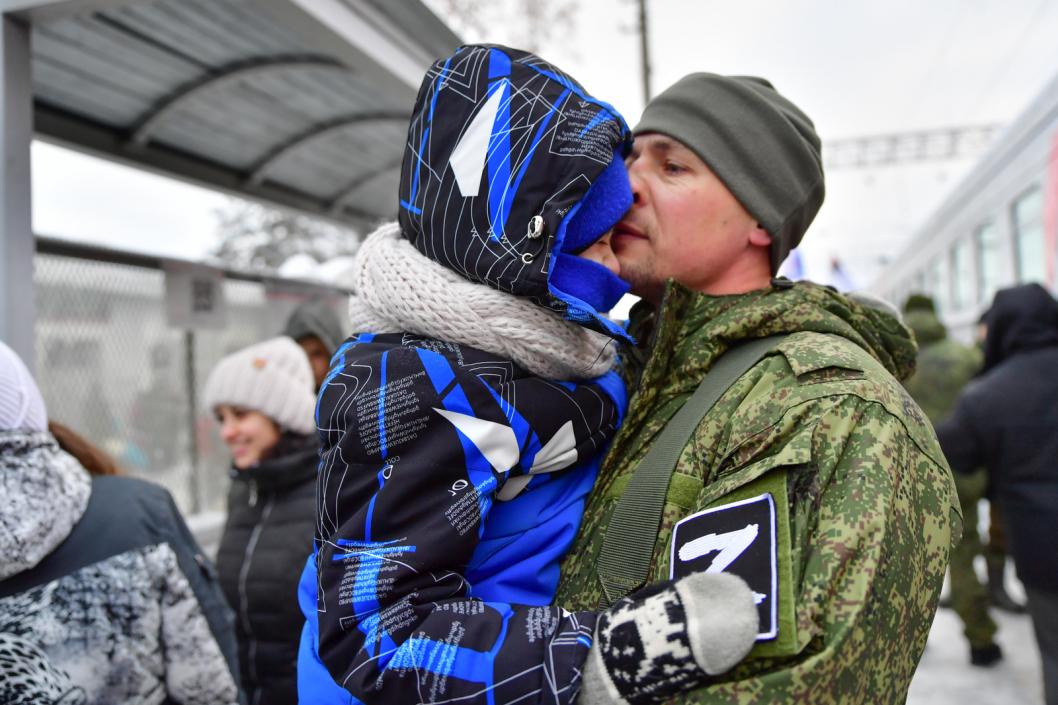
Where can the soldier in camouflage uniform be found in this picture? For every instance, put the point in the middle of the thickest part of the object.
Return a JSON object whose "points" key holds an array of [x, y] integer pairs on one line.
{"points": [[726, 177], [944, 368]]}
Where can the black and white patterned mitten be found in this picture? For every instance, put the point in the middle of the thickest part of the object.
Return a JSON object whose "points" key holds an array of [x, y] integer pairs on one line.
{"points": [[669, 638]]}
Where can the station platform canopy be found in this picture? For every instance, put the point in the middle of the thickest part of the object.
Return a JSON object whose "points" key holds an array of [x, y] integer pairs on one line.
{"points": [[298, 103]]}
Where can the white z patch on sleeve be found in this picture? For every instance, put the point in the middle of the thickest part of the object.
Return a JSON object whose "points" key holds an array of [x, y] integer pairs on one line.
{"points": [[738, 538]]}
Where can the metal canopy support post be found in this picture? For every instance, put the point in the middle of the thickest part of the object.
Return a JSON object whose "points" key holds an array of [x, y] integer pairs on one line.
{"points": [[193, 487], [16, 228]]}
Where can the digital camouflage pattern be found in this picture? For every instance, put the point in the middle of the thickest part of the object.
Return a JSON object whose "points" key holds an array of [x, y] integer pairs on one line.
{"points": [[969, 596], [944, 368], [873, 511]]}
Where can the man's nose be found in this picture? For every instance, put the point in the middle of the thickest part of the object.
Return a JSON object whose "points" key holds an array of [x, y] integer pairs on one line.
{"points": [[637, 188]]}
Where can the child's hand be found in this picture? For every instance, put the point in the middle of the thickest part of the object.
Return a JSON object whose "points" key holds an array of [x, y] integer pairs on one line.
{"points": [[667, 638]]}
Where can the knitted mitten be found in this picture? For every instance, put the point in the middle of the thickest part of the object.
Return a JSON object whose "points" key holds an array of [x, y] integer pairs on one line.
{"points": [[669, 638]]}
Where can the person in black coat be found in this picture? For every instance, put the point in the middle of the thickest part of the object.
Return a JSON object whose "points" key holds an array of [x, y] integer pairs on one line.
{"points": [[315, 327], [1007, 421], [263, 398]]}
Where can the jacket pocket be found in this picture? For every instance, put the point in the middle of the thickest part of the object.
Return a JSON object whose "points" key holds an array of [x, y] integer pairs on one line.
{"points": [[753, 458]]}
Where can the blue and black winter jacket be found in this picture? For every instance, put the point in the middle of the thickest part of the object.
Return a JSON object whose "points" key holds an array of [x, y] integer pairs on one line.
{"points": [[428, 581], [452, 481]]}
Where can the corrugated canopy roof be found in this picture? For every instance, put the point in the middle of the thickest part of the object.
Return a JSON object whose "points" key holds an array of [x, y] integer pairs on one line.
{"points": [[302, 103]]}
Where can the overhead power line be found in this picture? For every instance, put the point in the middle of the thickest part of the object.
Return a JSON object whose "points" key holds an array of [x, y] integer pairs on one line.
{"points": [[1003, 67], [938, 144]]}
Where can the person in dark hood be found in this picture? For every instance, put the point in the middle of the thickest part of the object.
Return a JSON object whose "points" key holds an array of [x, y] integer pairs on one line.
{"points": [[315, 327], [105, 597], [263, 399], [996, 550], [463, 424], [1007, 421]]}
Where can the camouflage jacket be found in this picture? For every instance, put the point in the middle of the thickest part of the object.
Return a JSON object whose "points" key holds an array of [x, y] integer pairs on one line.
{"points": [[870, 512], [944, 366]]}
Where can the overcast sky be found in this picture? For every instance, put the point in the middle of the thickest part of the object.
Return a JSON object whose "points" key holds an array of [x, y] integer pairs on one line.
{"points": [[857, 67]]}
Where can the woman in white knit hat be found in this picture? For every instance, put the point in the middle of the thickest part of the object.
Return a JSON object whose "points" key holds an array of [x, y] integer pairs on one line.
{"points": [[263, 397]]}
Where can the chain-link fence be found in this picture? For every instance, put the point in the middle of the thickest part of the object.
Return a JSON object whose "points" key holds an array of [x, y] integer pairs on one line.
{"points": [[111, 367]]}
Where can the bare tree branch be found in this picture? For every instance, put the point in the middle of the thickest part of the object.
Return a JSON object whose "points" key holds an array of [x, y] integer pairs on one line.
{"points": [[532, 25], [258, 238]]}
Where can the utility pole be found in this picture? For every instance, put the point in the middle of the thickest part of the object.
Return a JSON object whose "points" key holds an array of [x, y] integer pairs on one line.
{"points": [[644, 50]]}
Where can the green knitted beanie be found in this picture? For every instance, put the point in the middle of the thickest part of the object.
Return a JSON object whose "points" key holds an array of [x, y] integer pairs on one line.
{"points": [[919, 302], [758, 143]]}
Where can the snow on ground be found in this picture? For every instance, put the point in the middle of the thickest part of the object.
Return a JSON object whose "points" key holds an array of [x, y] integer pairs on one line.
{"points": [[945, 675]]}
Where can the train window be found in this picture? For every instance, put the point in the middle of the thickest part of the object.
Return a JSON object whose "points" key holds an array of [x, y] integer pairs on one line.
{"points": [[986, 242], [962, 276], [939, 284], [1028, 237]]}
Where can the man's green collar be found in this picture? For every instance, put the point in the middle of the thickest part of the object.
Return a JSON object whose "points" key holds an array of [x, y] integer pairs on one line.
{"points": [[691, 322]]}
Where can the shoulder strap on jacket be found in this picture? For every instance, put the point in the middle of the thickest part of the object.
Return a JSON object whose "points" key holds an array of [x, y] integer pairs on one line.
{"points": [[624, 559]]}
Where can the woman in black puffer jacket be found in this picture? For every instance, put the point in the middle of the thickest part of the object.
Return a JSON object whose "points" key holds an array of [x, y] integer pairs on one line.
{"points": [[263, 398]]}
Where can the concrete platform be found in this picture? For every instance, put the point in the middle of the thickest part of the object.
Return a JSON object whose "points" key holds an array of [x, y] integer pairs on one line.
{"points": [[945, 675]]}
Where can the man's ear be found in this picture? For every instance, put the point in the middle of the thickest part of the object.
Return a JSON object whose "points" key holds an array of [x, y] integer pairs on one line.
{"points": [[758, 236]]}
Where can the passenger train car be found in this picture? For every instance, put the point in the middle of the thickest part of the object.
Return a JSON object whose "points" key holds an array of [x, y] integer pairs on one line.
{"points": [[998, 227]]}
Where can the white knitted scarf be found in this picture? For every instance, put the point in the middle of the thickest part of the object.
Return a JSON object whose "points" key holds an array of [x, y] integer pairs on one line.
{"points": [[398, 289]]}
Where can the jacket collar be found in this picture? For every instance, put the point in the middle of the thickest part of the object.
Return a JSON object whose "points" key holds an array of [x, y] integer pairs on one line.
{"points": [[294, 461], [690, 330]]}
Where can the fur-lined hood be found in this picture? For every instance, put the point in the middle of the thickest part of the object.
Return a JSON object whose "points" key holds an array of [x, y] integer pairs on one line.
{"points": [[45, 493]]}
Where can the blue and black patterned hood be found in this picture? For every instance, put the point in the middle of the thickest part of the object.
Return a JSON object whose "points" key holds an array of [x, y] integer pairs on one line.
{"points": [[489, 190]]}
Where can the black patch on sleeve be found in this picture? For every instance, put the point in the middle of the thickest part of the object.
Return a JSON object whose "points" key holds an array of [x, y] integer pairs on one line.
{"points": [[736, 538]]}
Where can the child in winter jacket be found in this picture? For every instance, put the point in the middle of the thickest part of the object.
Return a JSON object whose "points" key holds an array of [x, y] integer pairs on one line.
{"points": [[463, 425]]}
